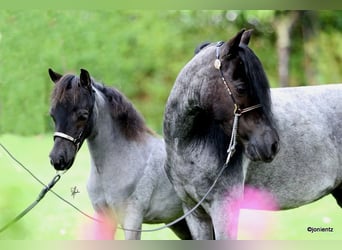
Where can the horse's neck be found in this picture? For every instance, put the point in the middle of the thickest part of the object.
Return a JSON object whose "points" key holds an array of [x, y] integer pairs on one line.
{"points": [[107, 145]]}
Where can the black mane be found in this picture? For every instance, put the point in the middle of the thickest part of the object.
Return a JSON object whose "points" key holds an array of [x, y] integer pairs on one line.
{"points": [[131, 122], [201, 46], [258, 83]]}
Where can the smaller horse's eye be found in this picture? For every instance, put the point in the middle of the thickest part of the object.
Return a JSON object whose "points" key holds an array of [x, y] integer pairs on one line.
{"points": [[83, 115]]}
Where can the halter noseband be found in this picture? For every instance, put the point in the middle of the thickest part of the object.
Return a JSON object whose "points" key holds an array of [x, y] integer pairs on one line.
{"points": [[75, 141], [237, 111]]}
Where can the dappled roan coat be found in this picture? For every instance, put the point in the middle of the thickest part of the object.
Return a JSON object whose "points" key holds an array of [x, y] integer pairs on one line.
{"points": [[309, 163]]}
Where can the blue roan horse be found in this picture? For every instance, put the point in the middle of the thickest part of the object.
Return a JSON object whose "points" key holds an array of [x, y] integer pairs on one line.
{"points": [[307, 167], [127, 183], [221, 85]]}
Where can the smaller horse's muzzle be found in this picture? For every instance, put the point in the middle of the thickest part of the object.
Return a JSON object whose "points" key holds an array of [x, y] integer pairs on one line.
{"points": [[62, 155]]}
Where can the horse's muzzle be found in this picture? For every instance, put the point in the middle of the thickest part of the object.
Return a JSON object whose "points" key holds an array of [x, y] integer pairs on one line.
{"points": [[62, 155], [263, 150], [60, 163]]}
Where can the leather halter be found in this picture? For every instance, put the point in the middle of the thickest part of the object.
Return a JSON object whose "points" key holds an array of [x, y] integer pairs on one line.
{"points": [[217, 65], [237, 111], [78, 140]]}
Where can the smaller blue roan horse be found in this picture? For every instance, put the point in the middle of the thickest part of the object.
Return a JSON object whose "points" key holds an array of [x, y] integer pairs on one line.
{"points": [[127, 182], [222, 93]]}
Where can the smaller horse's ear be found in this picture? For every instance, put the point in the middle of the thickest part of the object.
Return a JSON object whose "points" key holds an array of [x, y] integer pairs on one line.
{"points": [[246, 36], [232, 46], [85, 79], [54, 75]]}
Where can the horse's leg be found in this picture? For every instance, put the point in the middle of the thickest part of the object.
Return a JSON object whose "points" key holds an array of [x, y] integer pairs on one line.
{"points": [[337, 193], [133, 221], [200, 227], [225, 221], [182, 230], [130, 234], [224, 212]]}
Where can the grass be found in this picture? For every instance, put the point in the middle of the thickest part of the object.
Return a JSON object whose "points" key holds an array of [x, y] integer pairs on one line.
{"points": [[52, 219]]}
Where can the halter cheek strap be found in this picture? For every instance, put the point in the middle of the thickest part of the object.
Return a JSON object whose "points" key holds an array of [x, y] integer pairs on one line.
{"points": [[237, 110]]}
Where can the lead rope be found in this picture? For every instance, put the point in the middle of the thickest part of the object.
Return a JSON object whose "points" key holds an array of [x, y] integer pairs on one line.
{"points": [[232, 144], [230, 151], [30, 207], [41, 195]]}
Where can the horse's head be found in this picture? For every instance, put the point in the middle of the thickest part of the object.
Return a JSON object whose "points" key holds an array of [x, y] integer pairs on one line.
{"points": [[72, 103], [242, 88]]}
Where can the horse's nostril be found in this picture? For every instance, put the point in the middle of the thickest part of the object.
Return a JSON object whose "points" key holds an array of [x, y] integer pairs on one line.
{"points": [[274, 147], [57, 162]]}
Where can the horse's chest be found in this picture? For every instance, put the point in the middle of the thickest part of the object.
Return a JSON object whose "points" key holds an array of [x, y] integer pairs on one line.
{"points": [[109, 187]]}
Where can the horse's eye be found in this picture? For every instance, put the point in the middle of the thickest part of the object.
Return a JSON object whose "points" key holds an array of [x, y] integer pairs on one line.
{"points": [[241, 89], [83, 115]]}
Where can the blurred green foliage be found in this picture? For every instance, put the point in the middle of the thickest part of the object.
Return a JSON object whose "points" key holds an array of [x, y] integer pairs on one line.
{"points": [[139, 52]]}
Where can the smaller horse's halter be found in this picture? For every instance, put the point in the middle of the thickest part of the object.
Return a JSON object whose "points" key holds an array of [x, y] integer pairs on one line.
{"points": [[237, 110], [78, 140], [75, 141]]}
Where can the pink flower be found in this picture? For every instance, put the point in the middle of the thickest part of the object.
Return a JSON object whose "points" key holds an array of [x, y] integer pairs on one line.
{"points": [[104, 230], [253, 223]]}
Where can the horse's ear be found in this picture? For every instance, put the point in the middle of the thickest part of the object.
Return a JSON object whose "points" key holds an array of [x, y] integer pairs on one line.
{"points": [[54, 75], [232, 46], [246, 36], [85, 79]]}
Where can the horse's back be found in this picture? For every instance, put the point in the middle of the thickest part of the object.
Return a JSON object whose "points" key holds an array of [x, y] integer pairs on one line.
{"points": [[310, 109], [308, 165]]}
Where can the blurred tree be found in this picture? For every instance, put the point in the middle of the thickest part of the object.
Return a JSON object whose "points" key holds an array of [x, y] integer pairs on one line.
{"points": [[309, 25], [283, 23], [300, 25], [141, 53], [300, 38]]}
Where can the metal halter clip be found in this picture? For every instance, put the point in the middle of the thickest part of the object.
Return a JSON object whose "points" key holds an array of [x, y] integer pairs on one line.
{"points": [[237, 111]]}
